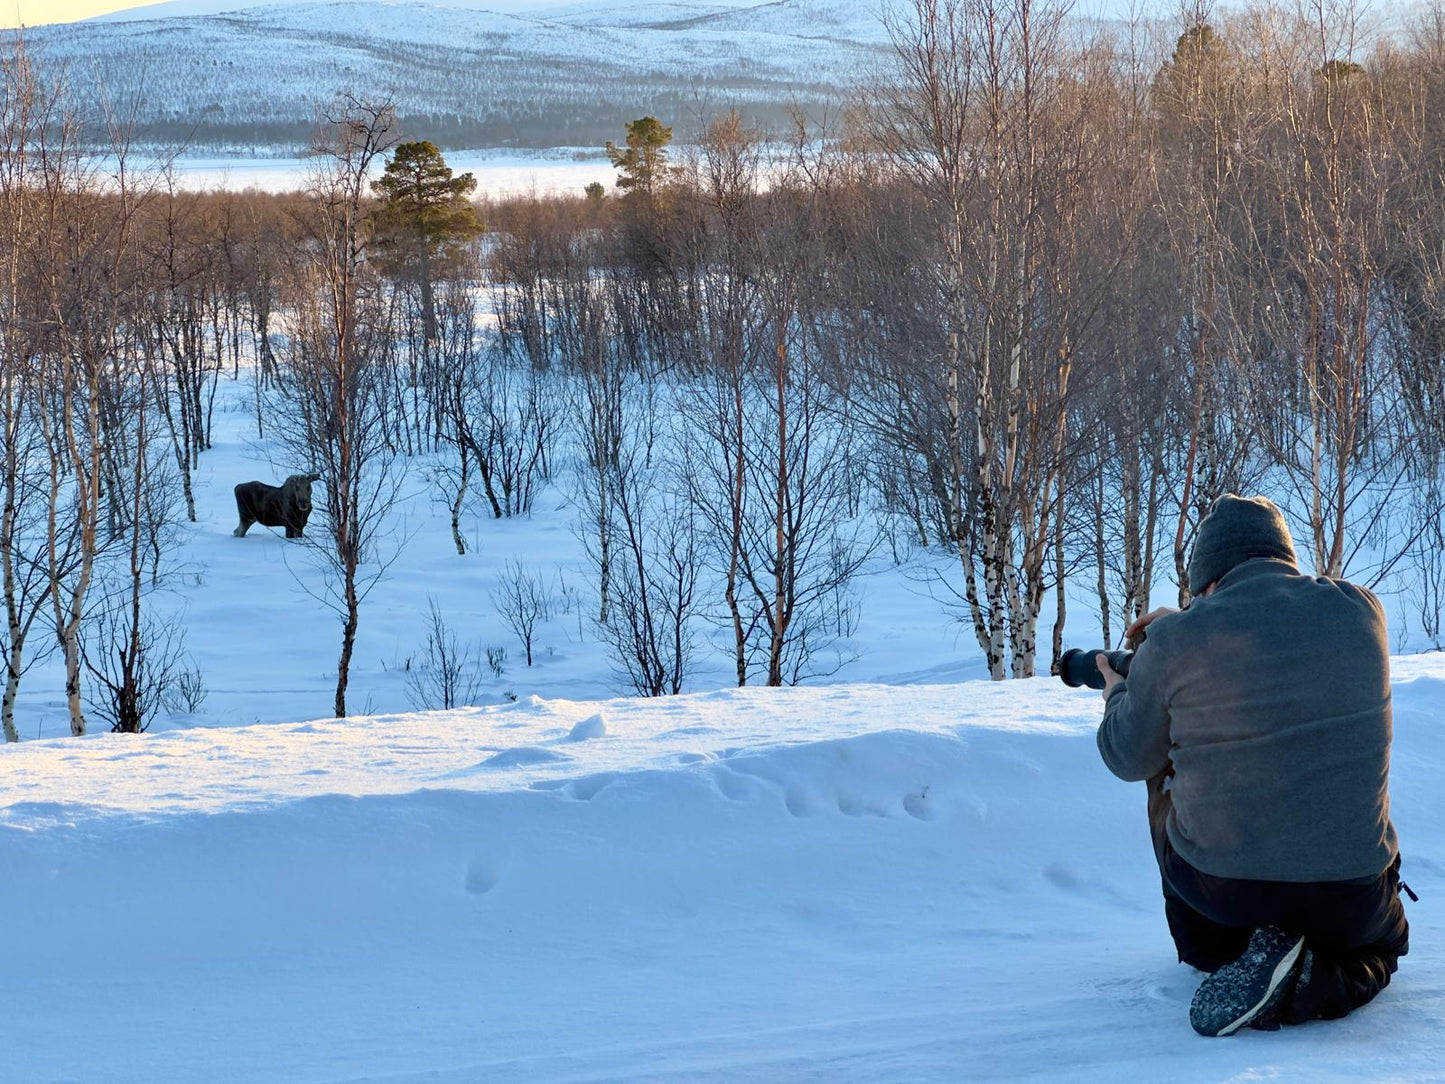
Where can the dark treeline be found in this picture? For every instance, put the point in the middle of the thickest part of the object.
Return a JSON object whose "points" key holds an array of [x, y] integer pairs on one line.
{"points": [[521, 125], [1034, 305]]}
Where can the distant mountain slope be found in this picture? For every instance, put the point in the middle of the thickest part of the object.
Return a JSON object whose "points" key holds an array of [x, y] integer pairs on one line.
{"points": [[466, 77]]}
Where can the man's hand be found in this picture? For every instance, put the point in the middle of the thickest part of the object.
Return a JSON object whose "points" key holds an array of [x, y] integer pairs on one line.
{"points": [[1111, 678], [1145, 621]]}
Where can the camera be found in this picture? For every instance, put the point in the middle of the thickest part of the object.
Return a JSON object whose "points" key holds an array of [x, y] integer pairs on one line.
{"points": [[1077, 667]]}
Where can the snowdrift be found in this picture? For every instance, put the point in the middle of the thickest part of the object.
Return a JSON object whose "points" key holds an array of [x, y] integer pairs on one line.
{"points": [[857, 883]]}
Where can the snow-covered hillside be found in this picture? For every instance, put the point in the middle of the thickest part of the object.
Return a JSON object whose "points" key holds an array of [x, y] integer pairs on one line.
{"points": [[858, 883], [466, 76]]}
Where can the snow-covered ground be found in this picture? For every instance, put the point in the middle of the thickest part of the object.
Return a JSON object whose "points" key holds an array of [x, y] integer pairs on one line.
{"points": [[895, 874], [268, 649], [854, 883], [559, 171]]}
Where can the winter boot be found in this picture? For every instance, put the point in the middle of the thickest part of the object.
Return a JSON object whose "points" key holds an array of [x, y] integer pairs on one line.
{"points": [[1249, 989]]}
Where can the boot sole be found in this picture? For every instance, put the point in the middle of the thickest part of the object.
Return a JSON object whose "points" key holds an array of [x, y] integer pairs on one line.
{"points": [[1281, 972]]}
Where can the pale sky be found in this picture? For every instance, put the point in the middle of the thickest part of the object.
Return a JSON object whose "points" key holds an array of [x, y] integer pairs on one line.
{"points": [[35, 12]]}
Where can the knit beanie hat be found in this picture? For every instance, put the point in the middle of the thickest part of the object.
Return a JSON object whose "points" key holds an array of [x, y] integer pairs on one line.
{"points": [[1237, 529]]}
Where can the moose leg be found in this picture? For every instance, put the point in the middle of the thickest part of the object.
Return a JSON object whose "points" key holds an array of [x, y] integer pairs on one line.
{"points": [[241, 512]]}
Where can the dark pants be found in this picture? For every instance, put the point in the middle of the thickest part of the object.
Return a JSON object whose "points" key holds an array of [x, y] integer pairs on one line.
{"points": [[1355, 931]]}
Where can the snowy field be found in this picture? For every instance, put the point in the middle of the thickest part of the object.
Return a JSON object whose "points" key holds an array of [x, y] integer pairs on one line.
{"points": [[855, 883], [898, 874]]}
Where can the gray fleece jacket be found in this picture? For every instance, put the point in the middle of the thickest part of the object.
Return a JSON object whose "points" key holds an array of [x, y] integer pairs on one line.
{"points": [[1270, 701]]}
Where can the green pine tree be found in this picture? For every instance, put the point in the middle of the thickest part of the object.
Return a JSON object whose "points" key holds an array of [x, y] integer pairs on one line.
{"points": [[425, 221], [643, 164], [1340, 69]]}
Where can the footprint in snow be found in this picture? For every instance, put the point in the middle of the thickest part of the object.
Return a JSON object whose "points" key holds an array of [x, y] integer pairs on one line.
{"points": [[852, 806], [917, 807], [579, 790], [485, 870], [1133, 991], [1062, 877], [801, 804], [482, 877], [587, 788], [732, 786]]}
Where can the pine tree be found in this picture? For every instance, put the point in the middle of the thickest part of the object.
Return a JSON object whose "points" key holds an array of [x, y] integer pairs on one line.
{"points": [[643, 165], [424, 222]]}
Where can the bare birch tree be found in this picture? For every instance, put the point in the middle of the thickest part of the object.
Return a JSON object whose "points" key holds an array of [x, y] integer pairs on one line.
{"points": [[334, 383], [25, 111], [987, 121]]}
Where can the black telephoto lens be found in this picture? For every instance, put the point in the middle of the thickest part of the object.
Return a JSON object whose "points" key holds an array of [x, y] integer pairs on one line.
{"points": [[1077, 667]]}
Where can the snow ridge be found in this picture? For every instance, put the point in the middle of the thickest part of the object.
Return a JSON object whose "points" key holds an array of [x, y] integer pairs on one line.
{"points": [[850, 883]]}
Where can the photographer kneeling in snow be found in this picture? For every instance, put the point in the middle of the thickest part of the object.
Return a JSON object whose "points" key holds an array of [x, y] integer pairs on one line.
{"points": [[1260, 716]]}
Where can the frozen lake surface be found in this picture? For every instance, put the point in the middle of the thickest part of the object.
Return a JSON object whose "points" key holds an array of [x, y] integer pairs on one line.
{"points": [[499, 173]]}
